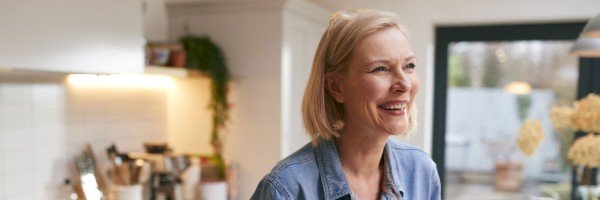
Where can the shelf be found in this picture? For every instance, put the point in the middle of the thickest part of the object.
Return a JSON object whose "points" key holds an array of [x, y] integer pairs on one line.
{"points": [[169, 71], [173, 71]]}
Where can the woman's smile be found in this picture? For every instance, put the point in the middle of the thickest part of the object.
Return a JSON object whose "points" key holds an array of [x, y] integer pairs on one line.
{"points": [[395, 107]]}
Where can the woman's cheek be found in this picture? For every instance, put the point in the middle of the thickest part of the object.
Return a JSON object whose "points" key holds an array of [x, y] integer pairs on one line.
{"points": [[415, 86], [414, 89]]}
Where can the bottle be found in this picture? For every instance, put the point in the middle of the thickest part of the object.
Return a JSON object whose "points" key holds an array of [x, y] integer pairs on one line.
{"points": [[191, 179], [67, 191], [232, 180]]}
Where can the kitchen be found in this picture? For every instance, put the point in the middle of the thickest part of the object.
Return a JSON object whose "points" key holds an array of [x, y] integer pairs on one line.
{"points": [[79, 78], [53, 103]]}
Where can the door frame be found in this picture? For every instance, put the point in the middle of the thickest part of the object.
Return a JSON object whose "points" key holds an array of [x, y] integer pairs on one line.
{"points": [[444, 35]]}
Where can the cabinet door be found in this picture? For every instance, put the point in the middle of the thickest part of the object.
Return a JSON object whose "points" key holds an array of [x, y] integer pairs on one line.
{"points": [[72, 36]]}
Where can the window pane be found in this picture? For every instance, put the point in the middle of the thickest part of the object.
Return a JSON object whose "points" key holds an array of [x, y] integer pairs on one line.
{"points": [[483, 160]]}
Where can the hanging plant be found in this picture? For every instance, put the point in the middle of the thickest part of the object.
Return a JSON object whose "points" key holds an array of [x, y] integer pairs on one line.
{"points": [[204, 55]]}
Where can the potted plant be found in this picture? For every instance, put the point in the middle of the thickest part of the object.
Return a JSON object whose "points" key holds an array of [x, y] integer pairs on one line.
{"points": [[204, 55]]}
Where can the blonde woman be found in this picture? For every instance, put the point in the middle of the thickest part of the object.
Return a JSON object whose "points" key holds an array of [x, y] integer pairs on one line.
{"points": [[361, 91]]}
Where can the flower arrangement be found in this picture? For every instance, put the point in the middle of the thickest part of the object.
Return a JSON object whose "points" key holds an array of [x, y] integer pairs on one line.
{"points": [[583, 116], [586, 151], [531, 135]]}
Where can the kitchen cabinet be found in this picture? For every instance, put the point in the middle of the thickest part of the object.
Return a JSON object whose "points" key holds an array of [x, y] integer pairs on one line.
{"points": [[155, 20], [72, 36]]}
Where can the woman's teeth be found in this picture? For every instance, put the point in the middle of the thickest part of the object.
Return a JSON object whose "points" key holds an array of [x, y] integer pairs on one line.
{"points": [[394, 107]]}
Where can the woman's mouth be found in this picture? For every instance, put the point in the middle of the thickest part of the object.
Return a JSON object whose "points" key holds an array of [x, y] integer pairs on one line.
{"points": [[395, 107]]}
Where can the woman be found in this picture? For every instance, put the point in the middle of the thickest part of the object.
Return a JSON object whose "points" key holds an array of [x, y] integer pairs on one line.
{"points": [[361, 91]]}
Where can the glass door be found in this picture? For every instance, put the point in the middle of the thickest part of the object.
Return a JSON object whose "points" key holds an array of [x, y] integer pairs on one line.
{"points": [[495, 85]]}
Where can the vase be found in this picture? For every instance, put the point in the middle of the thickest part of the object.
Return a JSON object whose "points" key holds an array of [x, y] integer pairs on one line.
{"points": [[508, 176], [213, 190], [178, 58], [589, 192]]}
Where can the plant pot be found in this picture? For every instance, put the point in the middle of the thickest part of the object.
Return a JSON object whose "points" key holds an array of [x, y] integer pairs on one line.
{"points": [[508, 177], [178, 58], [213, 190]]}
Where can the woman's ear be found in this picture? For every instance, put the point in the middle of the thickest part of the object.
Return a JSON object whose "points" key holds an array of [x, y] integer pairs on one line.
{"points": [[332, 83]]}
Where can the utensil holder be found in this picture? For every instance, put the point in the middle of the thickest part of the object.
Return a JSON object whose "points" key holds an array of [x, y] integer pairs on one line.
{"points": [[125, 192]]}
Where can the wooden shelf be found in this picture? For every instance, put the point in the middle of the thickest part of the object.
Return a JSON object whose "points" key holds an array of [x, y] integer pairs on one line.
{"points": [[173, 71]]}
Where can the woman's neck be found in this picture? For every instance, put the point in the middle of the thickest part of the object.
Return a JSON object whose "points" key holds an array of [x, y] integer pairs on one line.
{"points": [[361, 153]]}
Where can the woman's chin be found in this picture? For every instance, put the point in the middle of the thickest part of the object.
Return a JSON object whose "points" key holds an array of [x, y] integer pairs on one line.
{"points": [[397, 130]]}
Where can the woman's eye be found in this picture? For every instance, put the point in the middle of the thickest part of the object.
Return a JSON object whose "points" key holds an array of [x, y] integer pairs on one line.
{"points": [[411, 66], [379, 69]]}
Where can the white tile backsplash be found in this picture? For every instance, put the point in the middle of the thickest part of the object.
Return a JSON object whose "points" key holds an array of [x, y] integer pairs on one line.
{"points": [[43, 136], [48, 115], [17, 114], [18, 161], [19, 185], [17, 139], [16, 92], [48, 93], [44, 123]]}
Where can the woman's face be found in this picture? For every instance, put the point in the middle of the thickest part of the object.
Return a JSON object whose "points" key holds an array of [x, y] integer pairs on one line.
{"points": [[381, 83]]}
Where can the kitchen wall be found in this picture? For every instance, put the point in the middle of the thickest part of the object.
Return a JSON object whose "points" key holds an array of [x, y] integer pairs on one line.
{"points": [[46, 119], [189, 116]]}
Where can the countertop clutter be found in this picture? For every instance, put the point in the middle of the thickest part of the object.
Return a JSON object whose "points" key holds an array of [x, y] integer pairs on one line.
{"points": [[157, 174]]}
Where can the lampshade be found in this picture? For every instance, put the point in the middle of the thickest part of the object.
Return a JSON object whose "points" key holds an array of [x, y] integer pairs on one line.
{"points": [[592, 28], [586, 47], [518, 87]]}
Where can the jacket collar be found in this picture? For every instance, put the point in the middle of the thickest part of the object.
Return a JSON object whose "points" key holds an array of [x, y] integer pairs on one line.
{"points": [[334, 179]]}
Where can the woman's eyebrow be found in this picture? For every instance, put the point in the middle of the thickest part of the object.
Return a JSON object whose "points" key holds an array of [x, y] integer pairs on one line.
{"points": [[378, 60], [412, 57], [387, 60]]}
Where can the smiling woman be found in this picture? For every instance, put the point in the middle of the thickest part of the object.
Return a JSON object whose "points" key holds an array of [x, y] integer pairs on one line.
{"points": [[361, 91]]}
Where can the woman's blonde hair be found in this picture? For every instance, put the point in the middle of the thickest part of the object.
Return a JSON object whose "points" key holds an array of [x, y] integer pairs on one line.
{"points": [[323, 116]]}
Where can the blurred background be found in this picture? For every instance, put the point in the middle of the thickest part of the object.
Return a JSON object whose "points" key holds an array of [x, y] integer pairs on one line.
{"points": [[199, 99]]}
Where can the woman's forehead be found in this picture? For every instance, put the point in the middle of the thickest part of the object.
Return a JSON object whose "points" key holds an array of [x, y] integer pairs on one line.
{"points": [[384, 45]]}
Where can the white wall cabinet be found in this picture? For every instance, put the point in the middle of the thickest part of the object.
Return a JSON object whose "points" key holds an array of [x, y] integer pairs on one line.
{"points": [[72, 36], [155, 20]]}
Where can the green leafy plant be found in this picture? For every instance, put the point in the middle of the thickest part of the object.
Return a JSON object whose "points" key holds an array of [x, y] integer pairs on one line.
{"points": [[204, 55]]}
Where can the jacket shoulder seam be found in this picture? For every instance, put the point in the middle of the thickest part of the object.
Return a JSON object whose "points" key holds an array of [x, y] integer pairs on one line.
{"points": [[284, 165], [277, 187]]}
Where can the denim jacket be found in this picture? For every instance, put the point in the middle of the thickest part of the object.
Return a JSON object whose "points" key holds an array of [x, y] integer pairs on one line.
{"points": [[315, 172]]}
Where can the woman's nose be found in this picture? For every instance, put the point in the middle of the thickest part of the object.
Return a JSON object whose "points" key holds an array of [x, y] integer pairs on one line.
{"points": [[401, 82]]}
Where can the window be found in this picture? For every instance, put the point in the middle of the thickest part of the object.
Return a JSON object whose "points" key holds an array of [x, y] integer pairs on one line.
{"points": [[477, 116]]}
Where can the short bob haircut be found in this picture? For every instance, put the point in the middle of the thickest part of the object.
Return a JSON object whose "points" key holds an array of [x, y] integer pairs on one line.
{"points": [[323, 116]]}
